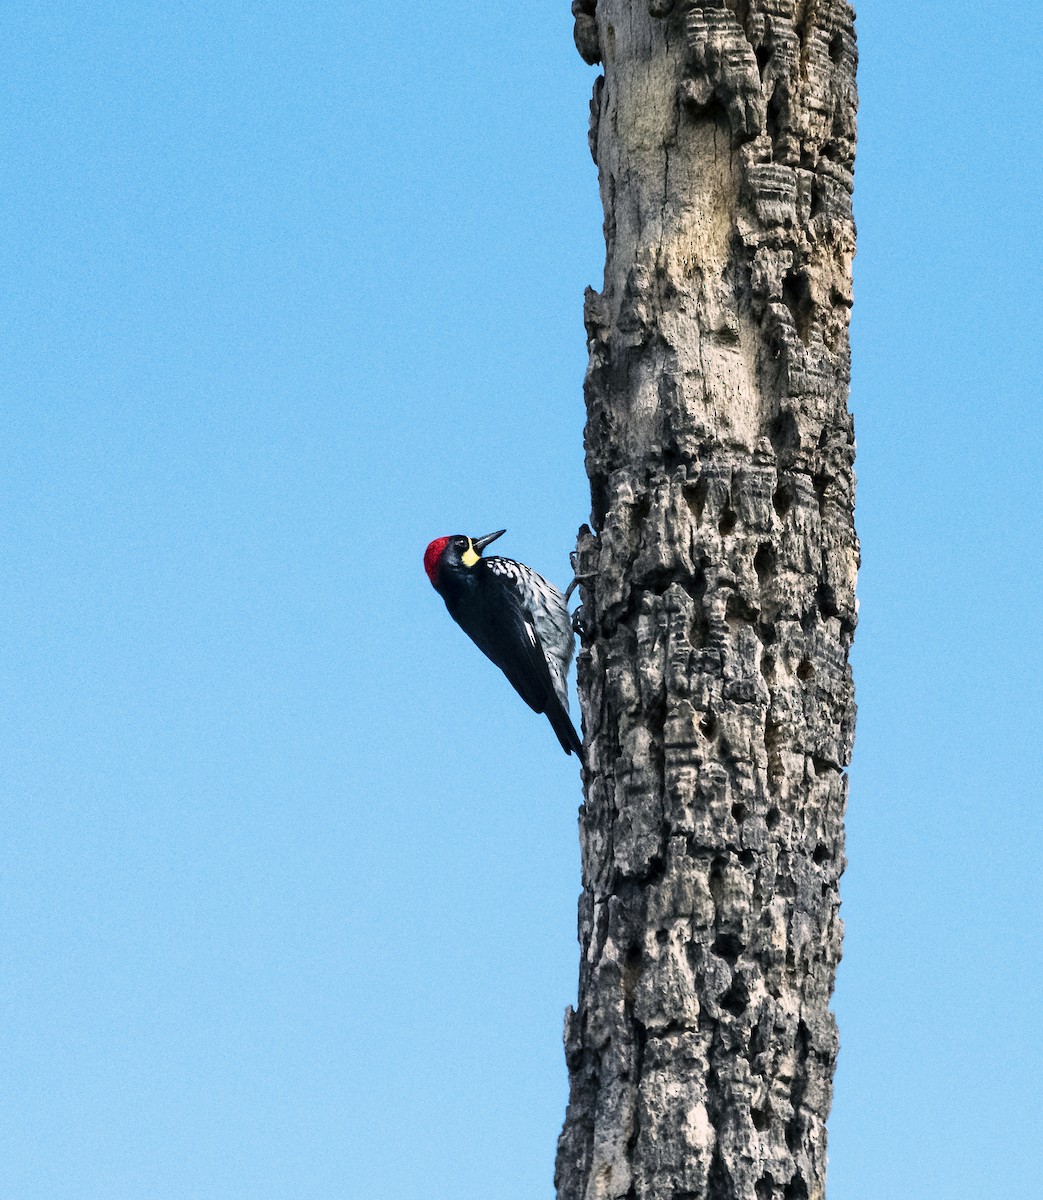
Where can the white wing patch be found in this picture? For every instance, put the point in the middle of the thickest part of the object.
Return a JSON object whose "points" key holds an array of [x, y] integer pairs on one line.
{"points": [[549, 614]]}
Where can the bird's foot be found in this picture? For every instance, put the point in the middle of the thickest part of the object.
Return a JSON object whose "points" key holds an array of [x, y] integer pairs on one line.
{"points": [[580, 625], [578, 579]]}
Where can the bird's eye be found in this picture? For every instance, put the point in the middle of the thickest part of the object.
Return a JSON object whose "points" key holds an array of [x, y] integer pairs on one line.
{"points": [[460, 543]]}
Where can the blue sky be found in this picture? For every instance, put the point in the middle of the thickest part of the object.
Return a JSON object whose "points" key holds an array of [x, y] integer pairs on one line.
{"points": [[289, 874]]}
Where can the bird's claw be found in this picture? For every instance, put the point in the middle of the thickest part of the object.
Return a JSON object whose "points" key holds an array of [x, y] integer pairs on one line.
{"points": [[580, 626], [578, 581]]}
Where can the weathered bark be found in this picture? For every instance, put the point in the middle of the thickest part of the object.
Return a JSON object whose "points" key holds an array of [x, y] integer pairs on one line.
{"points": [[718, 600]]}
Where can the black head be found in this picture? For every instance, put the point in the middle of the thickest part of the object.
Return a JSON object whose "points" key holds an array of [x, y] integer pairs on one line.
{"points": [[457, 553]]}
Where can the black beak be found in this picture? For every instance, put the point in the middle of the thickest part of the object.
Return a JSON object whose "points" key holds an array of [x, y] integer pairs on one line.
{"points": [[480, 543]]}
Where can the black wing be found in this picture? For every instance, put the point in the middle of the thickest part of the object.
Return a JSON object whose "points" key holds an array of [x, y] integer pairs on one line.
{"points": [[495, 618], [499, 624]]}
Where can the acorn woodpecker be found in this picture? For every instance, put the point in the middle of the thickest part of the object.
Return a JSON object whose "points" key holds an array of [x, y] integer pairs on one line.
{"points": [[514, 617]]}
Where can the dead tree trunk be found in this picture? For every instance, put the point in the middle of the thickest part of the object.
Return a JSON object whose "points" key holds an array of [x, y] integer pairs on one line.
{"points": [[718, 600]]}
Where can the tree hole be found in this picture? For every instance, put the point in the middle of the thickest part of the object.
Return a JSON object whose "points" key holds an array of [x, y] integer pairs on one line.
{"points": [[727, 946], [784, 434], [836, 47], [727, 522], [775, 123], [821, 854], [796, 1189], [796, 292], [771, 818], [738, 608], [717, 881], [826, 600], [764, 563], [695, 498], [783, 499], [805, 670], [736, 999], [739, 812]]}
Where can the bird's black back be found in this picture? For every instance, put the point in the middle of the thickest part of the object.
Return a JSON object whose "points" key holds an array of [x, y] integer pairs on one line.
{"points": [[491, 612]]}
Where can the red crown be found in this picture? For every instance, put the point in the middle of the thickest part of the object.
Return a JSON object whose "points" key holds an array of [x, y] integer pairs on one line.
{"points": [[432, 554]]}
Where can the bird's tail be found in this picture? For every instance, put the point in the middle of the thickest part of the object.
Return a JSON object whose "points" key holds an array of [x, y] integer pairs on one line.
{"points": [[562, 725]]}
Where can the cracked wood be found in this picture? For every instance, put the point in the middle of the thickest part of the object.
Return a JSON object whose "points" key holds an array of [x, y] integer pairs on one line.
{"points": [[718, 594]]}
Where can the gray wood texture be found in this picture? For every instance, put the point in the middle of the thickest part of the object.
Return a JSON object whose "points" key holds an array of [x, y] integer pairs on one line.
{"points": [[718, 593]]}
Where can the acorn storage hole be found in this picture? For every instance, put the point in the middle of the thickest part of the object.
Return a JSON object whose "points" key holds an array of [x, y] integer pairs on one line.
{"points": [[736, 999], [782, 500], [826, 600], [695, 497], [796, 294], [727, 946], [796, 1189]]}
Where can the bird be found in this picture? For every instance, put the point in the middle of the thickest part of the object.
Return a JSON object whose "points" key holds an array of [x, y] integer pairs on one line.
{"points": [[515, 617]]}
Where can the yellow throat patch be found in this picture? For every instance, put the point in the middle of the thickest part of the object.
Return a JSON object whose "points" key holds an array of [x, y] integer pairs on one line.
{"points": [[470, 556]]}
